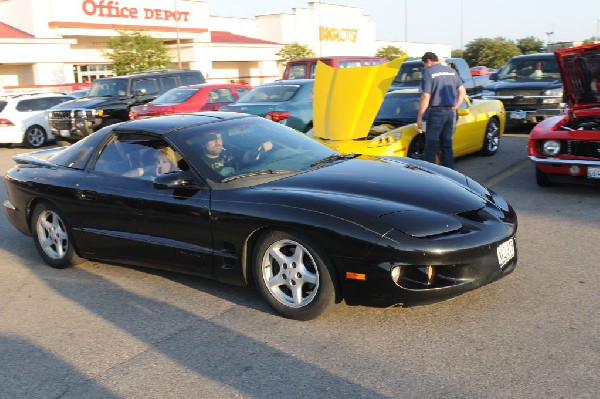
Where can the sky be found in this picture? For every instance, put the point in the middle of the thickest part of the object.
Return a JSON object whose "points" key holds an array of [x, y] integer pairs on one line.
{"points": [[454, 22]]}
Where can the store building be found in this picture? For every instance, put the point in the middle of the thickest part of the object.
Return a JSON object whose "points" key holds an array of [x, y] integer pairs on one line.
{"points": [[54, 44]]}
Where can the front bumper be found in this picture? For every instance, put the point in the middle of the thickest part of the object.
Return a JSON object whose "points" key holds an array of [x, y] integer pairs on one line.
{"points": [[571, 171], [435, 267], [73, 124]]}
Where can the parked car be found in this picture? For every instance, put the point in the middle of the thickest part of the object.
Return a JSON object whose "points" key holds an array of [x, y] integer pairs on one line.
{"points": [[410, 75], [201, 97], [566, 148], [110, 99], [284, 101], [479, 128], [304, 68], [530, 88], [79, 93], [307, 225], [22, 118], [480, 70]]}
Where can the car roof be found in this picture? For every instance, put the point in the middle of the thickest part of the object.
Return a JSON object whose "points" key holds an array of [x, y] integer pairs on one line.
{"points": [[25, 96], [169, 123]]}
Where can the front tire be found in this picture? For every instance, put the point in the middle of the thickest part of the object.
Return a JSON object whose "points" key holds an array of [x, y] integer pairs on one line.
{"points": [[542, 179], [293, 275], [52, 237], [416, 148], [35, 137], [491, 140]]}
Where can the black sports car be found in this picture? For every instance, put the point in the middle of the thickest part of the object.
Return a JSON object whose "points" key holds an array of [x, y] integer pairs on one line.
{"points": [[244, 200]]}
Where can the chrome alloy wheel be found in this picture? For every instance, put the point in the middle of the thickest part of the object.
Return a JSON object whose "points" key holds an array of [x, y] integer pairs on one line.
{"points": [[290, 273], [52, 235]]}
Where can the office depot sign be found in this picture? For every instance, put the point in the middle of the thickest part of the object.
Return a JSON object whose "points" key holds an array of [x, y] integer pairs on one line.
{"points": [[112, 9]]}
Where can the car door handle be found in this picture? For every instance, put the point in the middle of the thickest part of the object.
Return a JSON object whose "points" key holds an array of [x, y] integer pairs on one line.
{"points": [[86, 195]]}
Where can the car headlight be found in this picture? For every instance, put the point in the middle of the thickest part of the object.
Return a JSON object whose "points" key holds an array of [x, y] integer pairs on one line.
{"points": [[557, 95], [551, 147], [488, 93], [385, 139]]}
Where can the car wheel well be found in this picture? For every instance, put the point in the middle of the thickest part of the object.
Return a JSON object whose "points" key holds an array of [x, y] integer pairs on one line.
{"points": [[255, 237]]}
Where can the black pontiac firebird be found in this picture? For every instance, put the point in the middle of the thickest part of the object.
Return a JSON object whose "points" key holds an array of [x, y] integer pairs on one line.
{"points": [[308, 226]]}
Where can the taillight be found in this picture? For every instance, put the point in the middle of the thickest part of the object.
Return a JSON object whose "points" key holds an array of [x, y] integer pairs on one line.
{"points": [[277, 116], [168, 110], [133, 115], [5, 122]]}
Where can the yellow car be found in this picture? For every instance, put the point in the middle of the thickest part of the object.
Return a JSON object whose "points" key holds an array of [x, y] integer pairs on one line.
{"points": [[393, 130]]}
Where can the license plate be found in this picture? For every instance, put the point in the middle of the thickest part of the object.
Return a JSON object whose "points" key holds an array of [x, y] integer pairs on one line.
{"points": [[593, 172], [64, 133], [518, 115], [505, 252]]}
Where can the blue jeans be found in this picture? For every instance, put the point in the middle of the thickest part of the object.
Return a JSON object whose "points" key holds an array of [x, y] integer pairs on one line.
{"points": [[440, 128]]}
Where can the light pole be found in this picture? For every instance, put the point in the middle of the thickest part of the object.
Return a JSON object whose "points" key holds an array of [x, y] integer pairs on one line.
{"points": [[177, 33]]}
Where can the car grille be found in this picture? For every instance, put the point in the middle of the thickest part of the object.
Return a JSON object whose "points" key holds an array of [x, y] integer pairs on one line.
{"points": [[519, 92], [587, 149], [61, 114]]}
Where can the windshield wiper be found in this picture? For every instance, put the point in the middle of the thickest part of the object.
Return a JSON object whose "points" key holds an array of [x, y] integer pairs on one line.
{"points": [[333, 158], [256, 173]]}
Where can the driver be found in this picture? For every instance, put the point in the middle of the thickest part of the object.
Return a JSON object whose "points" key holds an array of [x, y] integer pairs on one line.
{"points": [[216, 156]]}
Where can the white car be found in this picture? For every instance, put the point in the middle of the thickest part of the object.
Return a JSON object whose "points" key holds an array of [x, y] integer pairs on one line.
{"points": [[22, 118]]}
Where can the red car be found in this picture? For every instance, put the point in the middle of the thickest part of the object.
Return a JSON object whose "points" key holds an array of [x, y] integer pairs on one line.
{"points": [[200, 97], [566, 148], [481, 70]]}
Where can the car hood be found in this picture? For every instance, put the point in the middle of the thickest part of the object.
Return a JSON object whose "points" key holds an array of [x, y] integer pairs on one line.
{"points": [[86, 102], [346, 100], [520, 85], [387, 186], [580, 73]]}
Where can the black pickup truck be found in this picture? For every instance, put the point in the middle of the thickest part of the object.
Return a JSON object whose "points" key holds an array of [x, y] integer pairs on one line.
{"points": [[411, 73], [530, 88], [109, 100]]}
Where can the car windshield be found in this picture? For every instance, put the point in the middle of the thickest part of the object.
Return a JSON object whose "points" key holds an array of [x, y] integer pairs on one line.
{"points": [[399, 106], [270, 93], [175, 96], [530, 69], [409, 73], [290, 151], [108, 88]]}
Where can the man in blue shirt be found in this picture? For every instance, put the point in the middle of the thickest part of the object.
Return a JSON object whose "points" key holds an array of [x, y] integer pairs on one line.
{"points": [[442, 92]]}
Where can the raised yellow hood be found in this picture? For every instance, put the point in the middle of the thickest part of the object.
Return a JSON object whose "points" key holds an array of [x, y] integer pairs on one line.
{"points": [[346, 100]]}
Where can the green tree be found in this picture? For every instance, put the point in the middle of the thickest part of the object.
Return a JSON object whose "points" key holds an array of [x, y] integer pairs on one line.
{"points": [[294, 51], [492, 53], [457, 53], [389, 52], [591, 40], [134, 51], [531, 45]]}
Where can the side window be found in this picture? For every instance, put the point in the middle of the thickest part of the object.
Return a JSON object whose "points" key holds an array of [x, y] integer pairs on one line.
{"points": [[137, 156], [191, 78], [169, 82], [29, 105], [148, 86], [225, 96], [57, 100]]}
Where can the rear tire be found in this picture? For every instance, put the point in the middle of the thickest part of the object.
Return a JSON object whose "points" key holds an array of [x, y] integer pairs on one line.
{"points": [[52, 237], [35, 137]]}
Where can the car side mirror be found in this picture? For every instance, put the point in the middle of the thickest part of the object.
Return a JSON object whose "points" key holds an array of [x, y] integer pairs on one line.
{"points": [[139, 92], [494, 76], [463, 112], [177, 180]]}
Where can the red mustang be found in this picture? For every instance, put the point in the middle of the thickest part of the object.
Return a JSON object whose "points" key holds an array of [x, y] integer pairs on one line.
{"points": [[200, 97], [566, 148]]}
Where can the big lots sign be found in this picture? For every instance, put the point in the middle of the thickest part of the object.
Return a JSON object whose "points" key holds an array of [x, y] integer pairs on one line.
{"points": [[112, 9]]}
